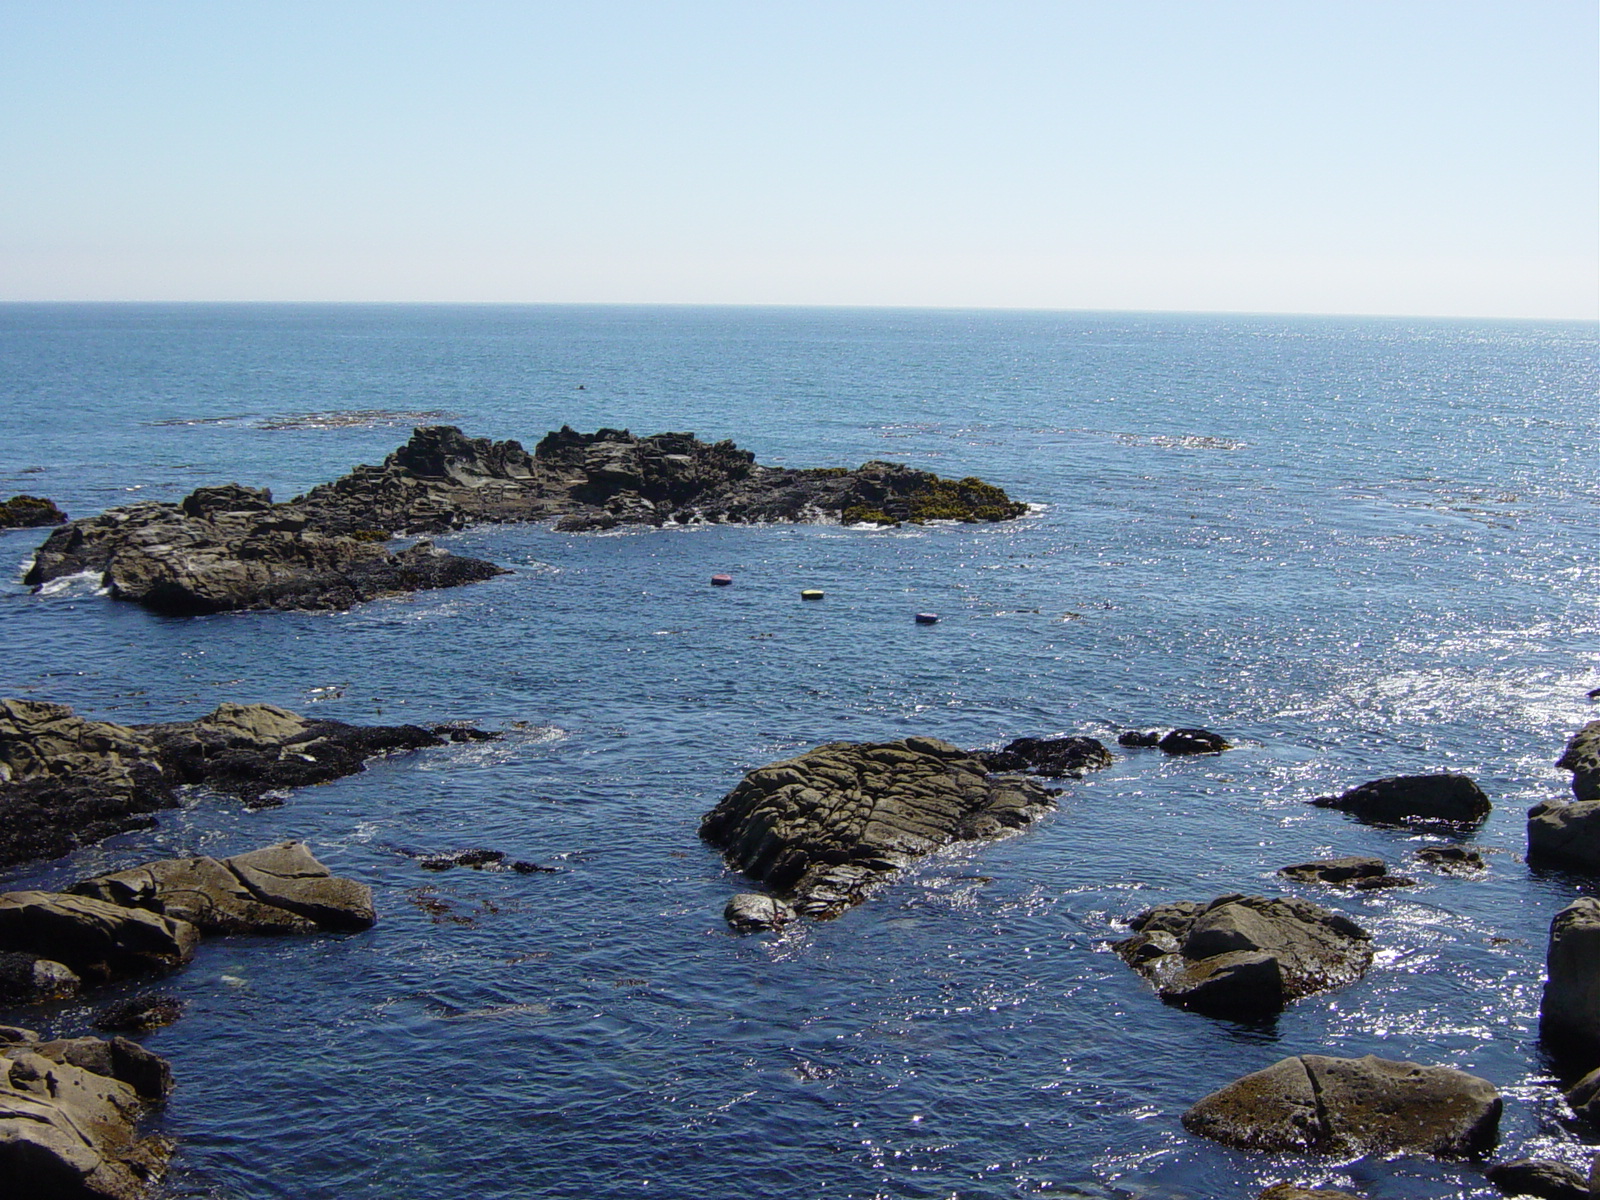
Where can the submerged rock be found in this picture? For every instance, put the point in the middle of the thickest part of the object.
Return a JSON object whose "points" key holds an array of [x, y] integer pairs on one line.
{"points": [[1582, 758], [822, 828], [29, 512], [1244, 956], [1352, 1106], [66, 781], [1569, 1011], [230, 547], [1413, 799], [1063, 757], [1453, 860], [1352, 871], [69, 1113]]}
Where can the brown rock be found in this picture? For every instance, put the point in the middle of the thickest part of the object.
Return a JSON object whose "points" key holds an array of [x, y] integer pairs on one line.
{"points": [[96, 940], [1569, 1011], [1582, 758]]}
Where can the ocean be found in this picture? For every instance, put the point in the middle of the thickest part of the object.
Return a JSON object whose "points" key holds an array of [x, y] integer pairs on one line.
{"points": [[1356, 547]]}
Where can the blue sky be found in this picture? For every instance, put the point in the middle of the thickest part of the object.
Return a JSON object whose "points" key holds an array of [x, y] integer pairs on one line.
{"points": [[1404, 157]]}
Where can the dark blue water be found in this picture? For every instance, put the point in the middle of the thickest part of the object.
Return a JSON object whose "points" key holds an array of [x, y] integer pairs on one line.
{"points": [[1355, 547]]}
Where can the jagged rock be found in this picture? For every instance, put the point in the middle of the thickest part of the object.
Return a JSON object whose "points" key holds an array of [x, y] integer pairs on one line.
{"points": [[1539, 1177], [29, 512], [1565, 834], [1413, 799], [1290, 1191], [1352, 1106], [66, 781], [1352, 871], [1584, 1097], [68, 1119], [95, 940], [1582, 758], [28, 979], [1193, 741], [1244, 956], [277, 889], [1453, 860], [231, 547], [139, 1014], [751, 912], [822, 828], [1569, 1012], [1056, 757]]}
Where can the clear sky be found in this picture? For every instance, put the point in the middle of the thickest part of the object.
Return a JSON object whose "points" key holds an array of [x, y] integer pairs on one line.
{"points": [[1395, 156]]}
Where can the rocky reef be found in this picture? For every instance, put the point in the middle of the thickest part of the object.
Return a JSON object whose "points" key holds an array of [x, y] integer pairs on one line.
{"points": [[66, 781], [29, 512], [232, 548]]}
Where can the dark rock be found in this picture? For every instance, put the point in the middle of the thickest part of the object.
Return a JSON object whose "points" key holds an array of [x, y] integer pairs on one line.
{"points": [[1569, 1011], [1133, 738], [822, 828], [68, 1119], [1056, 757], [1352, 1106], [1565, 835], [1290, 1191], [463, 858], [1193, 741], [1582, 758], [1540, 1178], [1352, 871], [1244, 956], [1584, 1097], [95, 940], [139, 1014], [28, 979], [277, 889], [751, 912], [1453, 860], [66, 781], [29, 512], [230, 548], [1413, 799]]}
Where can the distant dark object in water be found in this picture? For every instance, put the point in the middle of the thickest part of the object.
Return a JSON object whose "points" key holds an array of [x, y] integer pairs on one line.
{"points": [[30, 512], [479, 860], [811, 594], [721, 580], [1594, 694], [140, 1014], [927, 618], [1445, 799], [1193, 741], [1064, 756], [1139, 738]]}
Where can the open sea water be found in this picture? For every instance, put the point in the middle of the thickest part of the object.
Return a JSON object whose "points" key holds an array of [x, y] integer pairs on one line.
{"points": [[1355, 547]]}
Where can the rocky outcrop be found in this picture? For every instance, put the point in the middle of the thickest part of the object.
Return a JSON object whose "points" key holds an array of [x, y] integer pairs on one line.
{"points": [[1352, 1106], [1582, 758], [96, 940], [1569, 1012], [1565, 835], [69, 1114], [29, 512], [1443, 799], [1063, 757], [277, 889], [66, 781], [1584, 1097], [230, 547], [1351, 871], [1244, 956], [1540, 1178], [822, 828]]}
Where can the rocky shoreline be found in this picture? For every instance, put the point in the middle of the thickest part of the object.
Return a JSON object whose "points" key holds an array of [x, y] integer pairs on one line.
{"points": [[232, 548]]}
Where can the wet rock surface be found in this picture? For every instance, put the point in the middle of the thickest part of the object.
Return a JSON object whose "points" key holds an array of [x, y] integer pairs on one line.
{"points": [[752, 912], [1351, 871], [1453, 860], [820, 829], [1584, 1097], [1569, 1010], [1192, 741], [29, 512], [1063, 757], [1352, 1106], [69, 1114], [1582, 758], [1565, 834], [1539, 1177], [230, 547], [1290, 1191], [66, 781], [1441, 799], [95, 940], [1244, 956]]}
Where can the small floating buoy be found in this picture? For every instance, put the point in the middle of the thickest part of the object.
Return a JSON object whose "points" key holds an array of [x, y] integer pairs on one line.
{"points": [[721, 580], [927, 618], [811, 594]]}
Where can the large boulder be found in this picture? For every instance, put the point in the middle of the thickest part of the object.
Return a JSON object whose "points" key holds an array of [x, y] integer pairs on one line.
{"points": [[96, 940], [69, 1113], [1565, 834], [29, 512], [66, 781], [1352, 1106], [277, 889], [1443, 799], [1569, 1012], [1244, 956], [1584, 1097], [1582, 758], [822, 828], [1541, 1178]]}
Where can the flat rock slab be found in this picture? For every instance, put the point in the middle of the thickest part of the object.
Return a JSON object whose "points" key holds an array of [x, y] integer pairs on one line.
{"points": [[1565, 834], [1245, 956], [1352, 1106], [1442, 799], [69, 1113], [277, 889], [66, 781], [822, 828], [1582, 758], [1351, 871], [1569, 1010]]}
